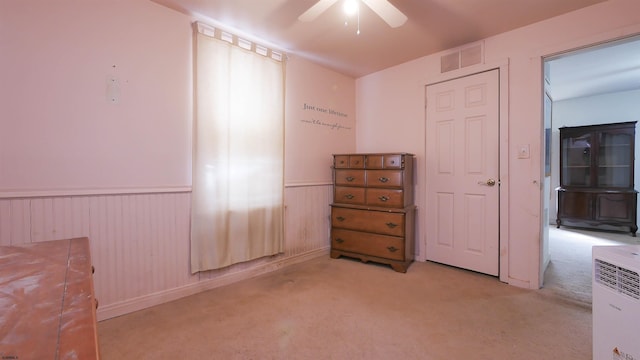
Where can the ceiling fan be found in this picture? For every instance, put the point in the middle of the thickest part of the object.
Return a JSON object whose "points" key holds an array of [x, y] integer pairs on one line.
{"points": [[389, 13]]}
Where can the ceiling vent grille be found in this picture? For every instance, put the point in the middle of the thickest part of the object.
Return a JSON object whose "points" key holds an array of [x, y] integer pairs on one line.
{"points": [[462, 57], [450, 62]]}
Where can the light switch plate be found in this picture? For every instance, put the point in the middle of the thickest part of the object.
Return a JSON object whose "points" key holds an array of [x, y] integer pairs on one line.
{"points": [[113, 90]]}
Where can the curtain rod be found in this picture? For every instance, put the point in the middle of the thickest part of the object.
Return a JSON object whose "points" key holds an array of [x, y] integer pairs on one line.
{"points": [[239, 41]]}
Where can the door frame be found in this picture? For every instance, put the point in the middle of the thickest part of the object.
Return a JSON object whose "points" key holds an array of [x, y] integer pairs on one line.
{"points": [[503, 161], [538, 58]]}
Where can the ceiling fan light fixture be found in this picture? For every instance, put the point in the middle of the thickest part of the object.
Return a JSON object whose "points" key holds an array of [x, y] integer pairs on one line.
{"points": [[350, 7], [383, 8]]}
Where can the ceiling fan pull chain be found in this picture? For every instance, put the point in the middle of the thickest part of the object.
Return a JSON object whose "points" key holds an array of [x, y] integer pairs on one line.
{"points": [[358, 32]]}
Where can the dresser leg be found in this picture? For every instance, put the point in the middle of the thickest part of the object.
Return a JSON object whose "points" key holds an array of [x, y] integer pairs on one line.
{"points": [[402, 268]]}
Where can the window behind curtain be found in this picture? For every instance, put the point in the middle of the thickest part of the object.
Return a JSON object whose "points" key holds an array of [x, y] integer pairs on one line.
{"points": [[238, 154]]}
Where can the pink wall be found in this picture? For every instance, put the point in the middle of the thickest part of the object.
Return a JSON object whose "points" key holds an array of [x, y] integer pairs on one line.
{"points": [[320, 121], [62, 131], [59, 129], [398, 93], [72, 163]]}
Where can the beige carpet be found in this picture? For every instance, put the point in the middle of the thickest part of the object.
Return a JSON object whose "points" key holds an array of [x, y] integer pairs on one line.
{"points": [[343, 309], [569, 272]]}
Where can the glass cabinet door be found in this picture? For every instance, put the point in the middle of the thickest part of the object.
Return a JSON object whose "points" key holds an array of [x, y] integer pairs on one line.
{"points": [[614, 159], [576, 160]]}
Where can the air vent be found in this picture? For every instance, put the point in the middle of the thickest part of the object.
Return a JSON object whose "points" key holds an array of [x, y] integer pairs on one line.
{"points": [[462, 57], [471, 56], [450, 62], [617, 278]]}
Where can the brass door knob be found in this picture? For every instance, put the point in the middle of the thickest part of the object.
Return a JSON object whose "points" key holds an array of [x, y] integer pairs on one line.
{"points": [[489, 182]]}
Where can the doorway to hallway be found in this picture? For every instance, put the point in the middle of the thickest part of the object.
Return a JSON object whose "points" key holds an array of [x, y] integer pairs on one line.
{"points": [[594, 85]]}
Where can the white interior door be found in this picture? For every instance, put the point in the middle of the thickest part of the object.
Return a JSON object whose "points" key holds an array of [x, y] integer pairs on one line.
{"points": [[462, 184]]}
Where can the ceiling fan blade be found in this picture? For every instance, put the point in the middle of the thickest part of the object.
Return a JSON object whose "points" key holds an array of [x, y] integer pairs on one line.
{"points": [[389, 13], [313, 12]]}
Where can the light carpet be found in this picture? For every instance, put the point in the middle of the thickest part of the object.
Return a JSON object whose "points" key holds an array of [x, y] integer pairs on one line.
{"points": [[569, 272], [343, 309]]}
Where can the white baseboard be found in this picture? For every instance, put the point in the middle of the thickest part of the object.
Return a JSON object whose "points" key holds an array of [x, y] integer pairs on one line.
{"points": [[146, 301]]}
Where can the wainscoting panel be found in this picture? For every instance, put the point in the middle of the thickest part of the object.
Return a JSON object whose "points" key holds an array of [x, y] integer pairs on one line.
{"points": [[15, 222], [59, 218], [143, 242], [307, 218], [140, 242]]}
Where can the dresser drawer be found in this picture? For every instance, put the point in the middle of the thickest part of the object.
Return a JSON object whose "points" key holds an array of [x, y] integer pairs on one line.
{"points": [[349, 195], [384, 178], [394, 161], [381, 222], [385, 161], [389, 247], [348, 177], [349, 161], [385, 198], [341, 161]]}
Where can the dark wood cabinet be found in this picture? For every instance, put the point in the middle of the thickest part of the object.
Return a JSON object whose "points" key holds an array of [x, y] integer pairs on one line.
{"points": [[373, 213], [597, 177]]}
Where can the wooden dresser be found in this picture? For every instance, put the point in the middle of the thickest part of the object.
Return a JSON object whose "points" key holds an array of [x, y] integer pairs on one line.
{"points": [[373, 211], [47, 303]]}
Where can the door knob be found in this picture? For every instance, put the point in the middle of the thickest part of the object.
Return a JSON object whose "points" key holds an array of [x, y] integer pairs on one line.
{"points": [[489, 182]]}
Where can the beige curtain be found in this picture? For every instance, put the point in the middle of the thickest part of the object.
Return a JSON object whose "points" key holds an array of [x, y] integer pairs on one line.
{"points": [[238, 155]]}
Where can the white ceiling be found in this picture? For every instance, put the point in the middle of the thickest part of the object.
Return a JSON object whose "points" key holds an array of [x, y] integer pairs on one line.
{"points": [[432, 26], [597, 70]]}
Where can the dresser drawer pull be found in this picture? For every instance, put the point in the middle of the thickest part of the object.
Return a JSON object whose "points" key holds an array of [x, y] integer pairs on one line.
{"points": [[350, 178], [339, 241], [383, 179], [391, 225], [392, 248], [383, 198], [341, 218], [349, 196]]}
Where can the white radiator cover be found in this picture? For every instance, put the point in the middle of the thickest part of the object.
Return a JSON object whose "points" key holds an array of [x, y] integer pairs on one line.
{"points": [[616, 302]]}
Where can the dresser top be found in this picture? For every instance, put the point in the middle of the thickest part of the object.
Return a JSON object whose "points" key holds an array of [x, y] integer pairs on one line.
{"points": [[45, 303], [377, 154]]}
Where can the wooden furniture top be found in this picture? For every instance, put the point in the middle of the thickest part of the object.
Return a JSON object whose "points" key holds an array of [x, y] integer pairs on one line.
{"points": [[47, 305], [370, 160]]}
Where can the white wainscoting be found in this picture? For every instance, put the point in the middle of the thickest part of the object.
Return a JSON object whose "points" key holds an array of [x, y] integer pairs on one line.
{"points": [[140, 242]]}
